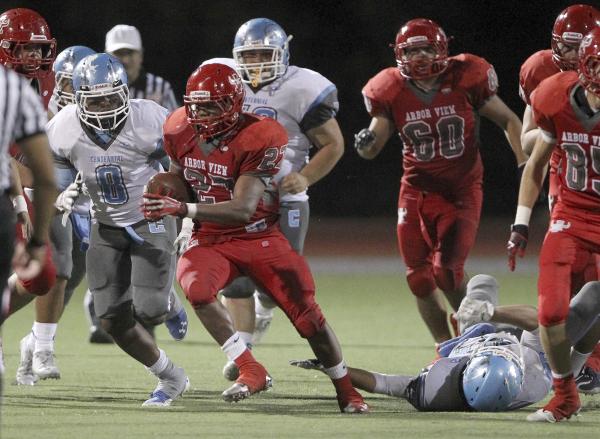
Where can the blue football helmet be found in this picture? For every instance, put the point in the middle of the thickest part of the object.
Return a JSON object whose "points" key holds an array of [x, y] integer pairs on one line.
{"points": [[101, 92], [492, 378], [261, 35], [63, 73]]}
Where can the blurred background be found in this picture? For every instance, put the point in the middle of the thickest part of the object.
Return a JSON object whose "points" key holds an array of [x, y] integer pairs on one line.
{"points": [[348, 42]]}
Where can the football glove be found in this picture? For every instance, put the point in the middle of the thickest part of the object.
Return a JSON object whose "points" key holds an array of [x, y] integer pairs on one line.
{"points": [[517, 243], [156, 207], [183, 239], [364, 139]]}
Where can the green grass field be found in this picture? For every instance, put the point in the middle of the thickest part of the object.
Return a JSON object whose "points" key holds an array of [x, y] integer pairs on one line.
{"points": [[375, 318]]}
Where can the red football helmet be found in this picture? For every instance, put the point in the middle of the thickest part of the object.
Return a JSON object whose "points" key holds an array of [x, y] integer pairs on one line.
{"points": [[26, 45], [213, 99], [421, 32], [589, 62], [571, 25]]}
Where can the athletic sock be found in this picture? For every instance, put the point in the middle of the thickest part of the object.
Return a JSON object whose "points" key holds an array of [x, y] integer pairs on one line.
{"points": [[246, 338], [43, 334], [162, 365], [235, 347], [578, 359]]}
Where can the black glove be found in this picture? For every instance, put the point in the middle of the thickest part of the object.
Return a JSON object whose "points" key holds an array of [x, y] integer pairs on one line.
{"points": [[364, 139], [517, 243]]}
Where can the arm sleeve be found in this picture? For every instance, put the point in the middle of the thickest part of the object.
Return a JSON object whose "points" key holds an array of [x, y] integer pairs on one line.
{"points": [[321, 110]]}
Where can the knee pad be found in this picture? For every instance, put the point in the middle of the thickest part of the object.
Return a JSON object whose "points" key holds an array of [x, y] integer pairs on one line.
{"points": [[118, 319], [151, 306], [483, 287], [421, 281], [310, 321], [240, 288], [583, 311]]}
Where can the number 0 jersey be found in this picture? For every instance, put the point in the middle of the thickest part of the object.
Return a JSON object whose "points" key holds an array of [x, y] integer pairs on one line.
{"points": [[562, 112], [255, 147], [299, 100], [115, 177], [439, 128]]}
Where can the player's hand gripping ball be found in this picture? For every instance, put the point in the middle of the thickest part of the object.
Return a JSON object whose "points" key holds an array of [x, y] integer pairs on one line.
{"points": [[165, 194]]}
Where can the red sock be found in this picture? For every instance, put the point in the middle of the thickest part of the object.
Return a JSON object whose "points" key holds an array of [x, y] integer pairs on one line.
{"points": [[245, 358], [594, 360], [343, 385]]}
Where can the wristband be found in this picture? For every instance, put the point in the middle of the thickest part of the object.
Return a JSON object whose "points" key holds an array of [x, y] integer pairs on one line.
{"points": [[192, 210], [523, 215], [19, 204]]}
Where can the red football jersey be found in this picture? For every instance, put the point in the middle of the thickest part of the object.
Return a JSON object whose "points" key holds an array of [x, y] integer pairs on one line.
{"points": [[534, 70], [256, 148], [439, 129], [558, 112]]}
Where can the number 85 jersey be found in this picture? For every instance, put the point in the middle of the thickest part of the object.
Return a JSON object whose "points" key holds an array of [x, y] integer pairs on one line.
{"points": [[565, 118], [114, 173], [439, 128]]}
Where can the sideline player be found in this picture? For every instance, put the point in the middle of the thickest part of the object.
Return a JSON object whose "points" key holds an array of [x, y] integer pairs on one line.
{"points": [[433, 101], [114, 143], [305, 103], [566, 109], [228, 158]]}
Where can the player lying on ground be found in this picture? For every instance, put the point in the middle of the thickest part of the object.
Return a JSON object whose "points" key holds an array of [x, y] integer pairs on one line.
{"points": [[483, 370]]}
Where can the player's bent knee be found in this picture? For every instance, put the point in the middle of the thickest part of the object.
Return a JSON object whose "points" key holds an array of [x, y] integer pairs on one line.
{"points": [[240, 288], [116, 320], [153, 320], [448, 279], [42, 283], [310, 321], [421, 281]]}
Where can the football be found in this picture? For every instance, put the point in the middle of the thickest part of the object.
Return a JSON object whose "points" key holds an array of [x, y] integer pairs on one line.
{"points": [[169, 184]]}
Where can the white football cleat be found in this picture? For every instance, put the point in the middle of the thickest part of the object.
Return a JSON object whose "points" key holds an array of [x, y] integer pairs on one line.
{"points": [[168, 390], [25, 375], [44, 365]]}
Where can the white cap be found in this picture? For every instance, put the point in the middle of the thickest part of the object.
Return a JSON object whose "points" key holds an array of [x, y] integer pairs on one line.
{"points": [[122, 36]]}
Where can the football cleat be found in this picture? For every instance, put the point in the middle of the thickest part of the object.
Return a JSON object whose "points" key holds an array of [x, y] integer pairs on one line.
{"points": [[558, 409], [168, 390], [44, 365], [588, 381], [230, 371], [25, 375], [352, 403], [178, 325], [239, 391], [309, 364]]}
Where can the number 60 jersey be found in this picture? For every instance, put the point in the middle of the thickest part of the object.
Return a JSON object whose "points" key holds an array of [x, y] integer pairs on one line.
{"points": [[114, 172], [439, 128]]}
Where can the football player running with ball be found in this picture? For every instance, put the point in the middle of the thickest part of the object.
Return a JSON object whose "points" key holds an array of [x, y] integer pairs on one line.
{"points": [[434, 101], [305, 103], [114, 143], [229, 158]]}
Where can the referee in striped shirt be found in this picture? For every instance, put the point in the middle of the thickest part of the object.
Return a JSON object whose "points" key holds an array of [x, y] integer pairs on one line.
{"points": [[22, 120], [124, 42]]}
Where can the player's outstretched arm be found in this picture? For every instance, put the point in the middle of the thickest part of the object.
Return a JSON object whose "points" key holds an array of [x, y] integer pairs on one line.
{"points": [[521, 316], [496, 110], [330, 142], [370, 141]]}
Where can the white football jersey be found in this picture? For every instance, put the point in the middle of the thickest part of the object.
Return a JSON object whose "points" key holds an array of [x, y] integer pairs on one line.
{"points": [[115, 176], [288, 99]]}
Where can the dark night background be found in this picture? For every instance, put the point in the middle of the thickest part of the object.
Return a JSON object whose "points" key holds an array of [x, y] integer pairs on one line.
{"points": [[348, 42]]}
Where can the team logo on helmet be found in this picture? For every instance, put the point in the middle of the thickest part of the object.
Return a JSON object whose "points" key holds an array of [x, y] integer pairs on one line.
{"points": [[3, 23]]}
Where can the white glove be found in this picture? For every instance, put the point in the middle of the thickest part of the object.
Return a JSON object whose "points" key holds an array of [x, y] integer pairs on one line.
{"points": [[472, 311], [66, 199], [183, 239]]}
